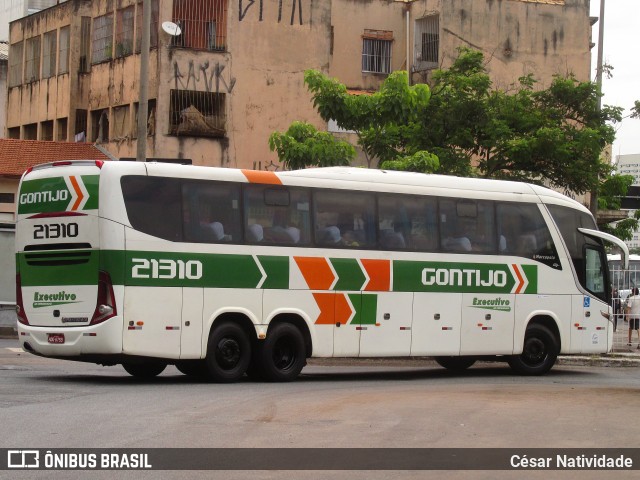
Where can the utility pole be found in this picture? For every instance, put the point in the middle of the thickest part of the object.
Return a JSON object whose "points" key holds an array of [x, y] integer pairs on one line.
{"points": [[594, 193], [143, 101]]}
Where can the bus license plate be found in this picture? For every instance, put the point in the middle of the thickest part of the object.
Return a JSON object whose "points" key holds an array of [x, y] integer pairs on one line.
{"points": [[56, 338]]}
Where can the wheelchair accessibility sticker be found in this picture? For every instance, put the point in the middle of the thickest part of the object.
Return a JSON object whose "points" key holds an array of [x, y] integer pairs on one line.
{"points": [[587, 302]]}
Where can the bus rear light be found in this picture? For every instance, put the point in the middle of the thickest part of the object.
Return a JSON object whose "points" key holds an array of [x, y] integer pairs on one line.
{"points": [[21, 314], [106, 300]]}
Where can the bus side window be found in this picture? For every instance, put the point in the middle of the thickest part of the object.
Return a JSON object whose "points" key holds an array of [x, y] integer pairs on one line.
{"points": [[277, 215], [344, 219], [407, 223], [524, 231], [211, 212]]}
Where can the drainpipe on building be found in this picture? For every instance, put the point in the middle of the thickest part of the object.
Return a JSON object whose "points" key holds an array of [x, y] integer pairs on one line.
{"points": [[143, 101], [407, 7]]}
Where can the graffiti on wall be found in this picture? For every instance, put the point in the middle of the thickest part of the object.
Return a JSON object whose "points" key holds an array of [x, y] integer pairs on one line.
{"points": [[256, 7], [203, 77]]}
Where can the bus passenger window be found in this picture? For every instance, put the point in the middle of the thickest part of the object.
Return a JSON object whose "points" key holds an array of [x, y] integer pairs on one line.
{"points": [[407, 223], [344, 219], [211, 212], [467, 226], [277, 215]]}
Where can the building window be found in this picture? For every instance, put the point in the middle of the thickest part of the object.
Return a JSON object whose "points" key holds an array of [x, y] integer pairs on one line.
{"points": [[46, 130], [49, 53], [376, 51], [151, 118], [32, 60], [7, 197], [15, 65], [61, 126], [100, 125], [102, 39], [85, 45], [13, 132], [80, 131], [203, 24], [153, 37], [124, 32], [197, 113], [30, 131], [120, 125], [63, 51], [427, 42]]}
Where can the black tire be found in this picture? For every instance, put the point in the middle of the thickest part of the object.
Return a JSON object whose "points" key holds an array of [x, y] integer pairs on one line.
{"points": [[539, 352], [282, 355], [144, 370], [456, 364], [228, 353], [193, 368]]}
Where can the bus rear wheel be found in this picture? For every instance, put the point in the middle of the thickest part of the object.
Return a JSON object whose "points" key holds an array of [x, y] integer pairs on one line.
{"points": [[456, 364], [282, 355], [539, 352], [228, 353], [144, 370]]}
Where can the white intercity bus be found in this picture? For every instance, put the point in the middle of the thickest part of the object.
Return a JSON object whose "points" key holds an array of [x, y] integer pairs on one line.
{"points": [[225, 272]]}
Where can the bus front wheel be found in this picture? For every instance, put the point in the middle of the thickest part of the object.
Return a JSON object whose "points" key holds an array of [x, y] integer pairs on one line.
{"points": [[228, 353], [539, 352], [282, 355], [456, 364], [144, 370]]}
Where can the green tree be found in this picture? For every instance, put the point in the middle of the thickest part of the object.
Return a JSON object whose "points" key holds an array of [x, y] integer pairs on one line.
{"points": [[302, 145]]}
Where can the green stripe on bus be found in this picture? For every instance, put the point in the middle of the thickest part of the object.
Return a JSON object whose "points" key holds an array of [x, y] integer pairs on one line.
{"points": [[277, 271], [411, 276], [350, 276], [54, 195], [366, 306], [58, 268]]}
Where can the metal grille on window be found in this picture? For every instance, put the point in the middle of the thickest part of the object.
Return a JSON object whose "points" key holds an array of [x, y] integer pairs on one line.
{"points": [[427, 42], [124, 32], [63, 51], [203, 24], [195, 113], [49, 54], [32, 60], [15, 64], [376, 51], [153, 38], [85, 44], [102, 39]]}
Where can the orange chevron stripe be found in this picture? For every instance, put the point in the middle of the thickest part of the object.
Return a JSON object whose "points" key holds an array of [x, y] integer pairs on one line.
{"points": [[76, 187], [261, 176], [316, 272], [343, 309], [520, 279], [326, 303], [379, 272]]}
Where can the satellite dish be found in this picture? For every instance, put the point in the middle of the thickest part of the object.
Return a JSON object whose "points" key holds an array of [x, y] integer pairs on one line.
{"points": [[171, 28]]}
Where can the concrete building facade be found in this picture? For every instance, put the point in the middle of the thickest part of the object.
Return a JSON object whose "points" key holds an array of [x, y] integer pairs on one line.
{"points": [[235, 73]]}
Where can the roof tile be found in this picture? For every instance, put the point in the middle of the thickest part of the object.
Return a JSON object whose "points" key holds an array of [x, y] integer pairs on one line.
{"points": [[18, 155]]}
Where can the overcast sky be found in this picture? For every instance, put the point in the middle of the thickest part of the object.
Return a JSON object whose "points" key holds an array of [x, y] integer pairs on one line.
{"points": [[621, 43]]}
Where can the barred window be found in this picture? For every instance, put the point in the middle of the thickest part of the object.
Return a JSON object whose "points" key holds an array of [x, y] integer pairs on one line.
{"points": [[85, 45], [63, 50], [102, 39], [427, 41], [49, 53], [153, 37], [124, 32], [376, 51], [197, 113], [15, 64], [120, 127], [32, 60], [203, 24]]}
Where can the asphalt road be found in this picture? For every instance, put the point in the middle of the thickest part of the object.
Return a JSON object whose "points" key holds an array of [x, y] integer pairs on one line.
{"points": [[48, 403]]}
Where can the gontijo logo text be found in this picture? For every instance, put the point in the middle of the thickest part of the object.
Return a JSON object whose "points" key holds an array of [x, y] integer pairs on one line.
{"points": [[57, 194]]}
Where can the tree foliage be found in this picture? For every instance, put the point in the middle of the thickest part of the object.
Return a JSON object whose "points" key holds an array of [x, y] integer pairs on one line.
{"points": [[302, 145], [462, 125]]}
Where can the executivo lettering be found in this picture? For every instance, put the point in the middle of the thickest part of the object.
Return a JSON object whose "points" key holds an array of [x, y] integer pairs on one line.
{"points": [[51, 299]]}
